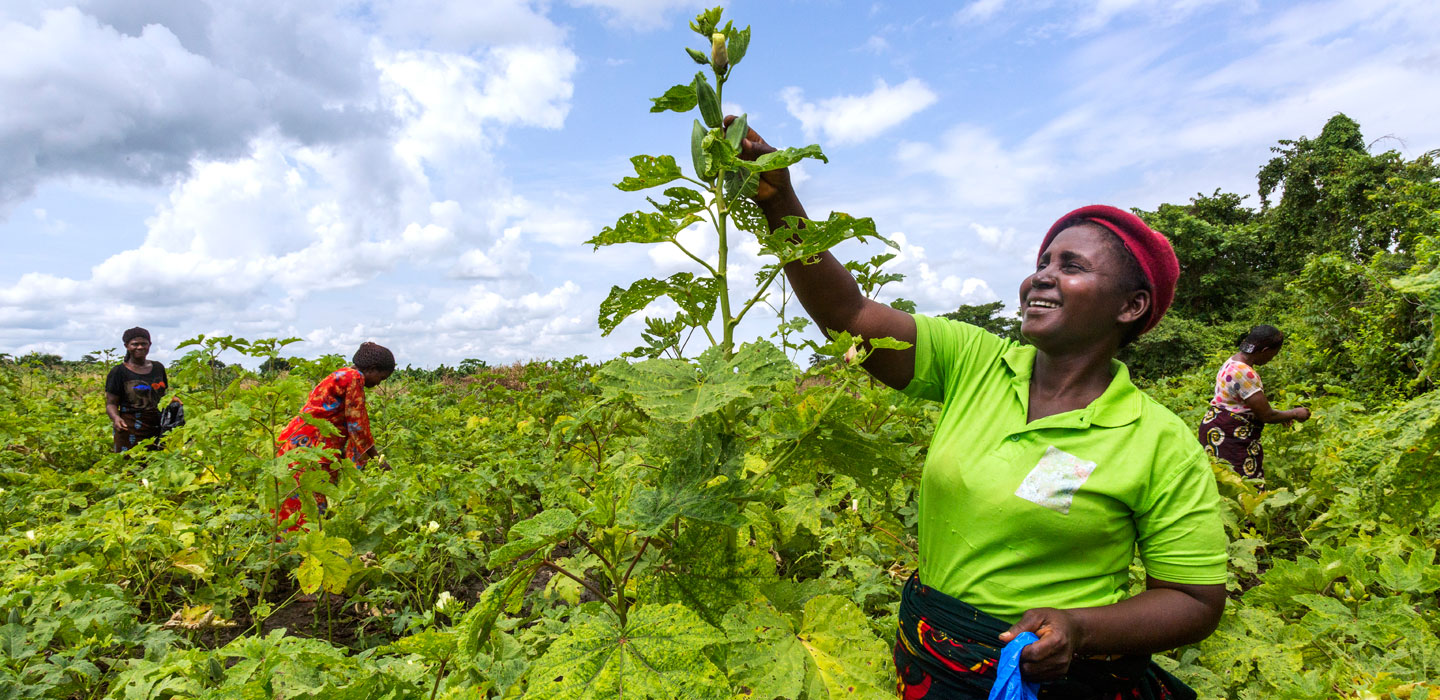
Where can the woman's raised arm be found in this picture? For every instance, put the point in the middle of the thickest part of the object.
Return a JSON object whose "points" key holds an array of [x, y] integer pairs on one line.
{"points": [[823, 285]]}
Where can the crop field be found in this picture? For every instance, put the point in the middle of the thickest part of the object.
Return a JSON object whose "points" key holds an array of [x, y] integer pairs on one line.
{"points": [[561, 530], [713, 516]]}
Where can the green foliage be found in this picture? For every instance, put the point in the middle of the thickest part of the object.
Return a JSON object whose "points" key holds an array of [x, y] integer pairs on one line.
{"points": [[724, 525]]}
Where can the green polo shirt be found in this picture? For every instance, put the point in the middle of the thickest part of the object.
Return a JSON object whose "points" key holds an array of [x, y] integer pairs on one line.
{"points": [[1017, 515]]}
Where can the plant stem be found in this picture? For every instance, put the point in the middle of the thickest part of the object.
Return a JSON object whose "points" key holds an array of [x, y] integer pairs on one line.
{"points": [[727, 322], [558, 569], [440, 673]]}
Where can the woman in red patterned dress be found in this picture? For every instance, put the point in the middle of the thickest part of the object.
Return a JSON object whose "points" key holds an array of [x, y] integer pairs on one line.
{"points": [[340, 400]]}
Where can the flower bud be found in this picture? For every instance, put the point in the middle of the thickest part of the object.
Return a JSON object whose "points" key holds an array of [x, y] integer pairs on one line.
{"points": [[719, 58]]}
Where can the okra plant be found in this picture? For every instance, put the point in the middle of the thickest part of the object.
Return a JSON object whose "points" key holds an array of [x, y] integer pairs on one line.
{"points": [[716, 191]]}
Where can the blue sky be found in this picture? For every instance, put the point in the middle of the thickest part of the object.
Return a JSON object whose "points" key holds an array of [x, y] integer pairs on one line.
{"points": [[424, 173]]}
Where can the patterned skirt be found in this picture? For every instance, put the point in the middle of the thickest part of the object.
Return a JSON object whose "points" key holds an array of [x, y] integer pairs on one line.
{"points": [[947, 649], [1235, 438], [139, 427]]}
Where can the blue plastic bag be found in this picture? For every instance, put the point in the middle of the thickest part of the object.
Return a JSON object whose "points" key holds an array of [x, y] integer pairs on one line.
{"points": [[1008, 684]]}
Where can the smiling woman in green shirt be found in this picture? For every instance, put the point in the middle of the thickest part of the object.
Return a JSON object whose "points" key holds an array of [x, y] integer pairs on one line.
{"points": [[1047, 472]]}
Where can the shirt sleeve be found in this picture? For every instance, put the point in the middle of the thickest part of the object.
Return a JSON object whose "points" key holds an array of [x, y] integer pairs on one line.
{"points": [[164, 382], [945, 348], [1249, 381], [357, 420], [1181, 537], [114, 384]]}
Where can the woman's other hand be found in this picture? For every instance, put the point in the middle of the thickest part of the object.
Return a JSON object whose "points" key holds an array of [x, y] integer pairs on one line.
{"points": [[1302, 414], [1060, 638], [119, 425]]}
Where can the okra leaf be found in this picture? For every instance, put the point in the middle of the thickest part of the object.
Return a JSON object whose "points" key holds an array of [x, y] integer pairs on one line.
{"points": [[834, 654], [505, 594], [721, 567], [818, 236], [677, 390], [740, 184], [738, 42], [432, 645], [657, 654], [641, 227], [696, 297], [786, 157], [542, 531], [650, 172], [680, 98], [705, 22], [747, 215], [698, 479], [326, 562], [683, 202]]}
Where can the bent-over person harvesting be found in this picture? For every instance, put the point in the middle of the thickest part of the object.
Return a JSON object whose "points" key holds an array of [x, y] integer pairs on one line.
{"points": [[1047, 471], [339, 399], [1239, 412]]}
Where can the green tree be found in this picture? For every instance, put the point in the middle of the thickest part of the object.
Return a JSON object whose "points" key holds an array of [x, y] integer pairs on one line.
{"points": [[988, 316]]}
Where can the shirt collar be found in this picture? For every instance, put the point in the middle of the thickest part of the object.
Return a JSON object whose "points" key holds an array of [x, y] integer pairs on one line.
{"points": [[1119, 405]]}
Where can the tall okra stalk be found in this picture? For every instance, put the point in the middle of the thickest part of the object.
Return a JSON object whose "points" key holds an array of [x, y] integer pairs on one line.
{"points": [[722, 184]]}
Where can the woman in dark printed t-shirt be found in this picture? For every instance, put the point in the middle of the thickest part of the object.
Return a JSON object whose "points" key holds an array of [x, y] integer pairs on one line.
{"points": [[133, 390]]}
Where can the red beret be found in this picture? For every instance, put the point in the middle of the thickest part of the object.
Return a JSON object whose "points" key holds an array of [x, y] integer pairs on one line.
{"points": [[1151, 248]]}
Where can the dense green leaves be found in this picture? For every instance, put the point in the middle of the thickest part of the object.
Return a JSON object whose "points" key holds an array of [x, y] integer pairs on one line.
{"points": [[831, 654], [658, 654], [538, 533], [676, 390]]}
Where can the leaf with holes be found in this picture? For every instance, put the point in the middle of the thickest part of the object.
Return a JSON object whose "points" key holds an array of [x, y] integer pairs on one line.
{"points": [[650, 171], [540, 532], [677, 390], [658, 654]]}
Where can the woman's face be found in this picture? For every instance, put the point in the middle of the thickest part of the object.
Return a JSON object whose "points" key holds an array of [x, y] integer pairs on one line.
{"points": [[138, 349], [373, 377], [1074, 299], [1266, 355]]}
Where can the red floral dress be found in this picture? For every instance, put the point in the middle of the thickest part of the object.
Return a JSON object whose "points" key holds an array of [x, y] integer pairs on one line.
{"points": [[339, 399]]}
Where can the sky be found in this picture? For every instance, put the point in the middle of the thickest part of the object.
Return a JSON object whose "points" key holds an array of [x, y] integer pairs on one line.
{"points": [[425, 174]]}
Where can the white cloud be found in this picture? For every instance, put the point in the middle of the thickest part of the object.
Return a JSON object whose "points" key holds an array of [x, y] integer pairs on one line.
{"points": [[979, 11], [483, 309], [639, 15], [271, 218], [852, 119], [977, 168], [406, 309], [135, 103]]}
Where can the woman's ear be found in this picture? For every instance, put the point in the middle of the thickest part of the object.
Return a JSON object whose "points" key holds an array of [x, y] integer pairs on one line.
{"points": [[1135, 308]]}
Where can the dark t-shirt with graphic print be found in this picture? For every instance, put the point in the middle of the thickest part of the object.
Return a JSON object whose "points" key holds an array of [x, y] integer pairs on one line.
{"points": [[139, 393]]}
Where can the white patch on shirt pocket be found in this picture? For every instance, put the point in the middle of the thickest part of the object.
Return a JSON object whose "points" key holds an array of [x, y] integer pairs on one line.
{"points": [[1055, 479]]}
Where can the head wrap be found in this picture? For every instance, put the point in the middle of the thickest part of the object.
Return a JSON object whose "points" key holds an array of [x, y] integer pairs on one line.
{"points": [[133, 333], [1151, 249], [372, 356]]}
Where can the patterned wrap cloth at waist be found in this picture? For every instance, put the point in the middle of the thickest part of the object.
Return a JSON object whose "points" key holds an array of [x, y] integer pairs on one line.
{"points": [[1235, 438], [947, 649]]}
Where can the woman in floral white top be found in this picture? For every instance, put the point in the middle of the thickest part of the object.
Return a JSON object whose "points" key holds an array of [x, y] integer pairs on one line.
{"points": [[1239, 411]]}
